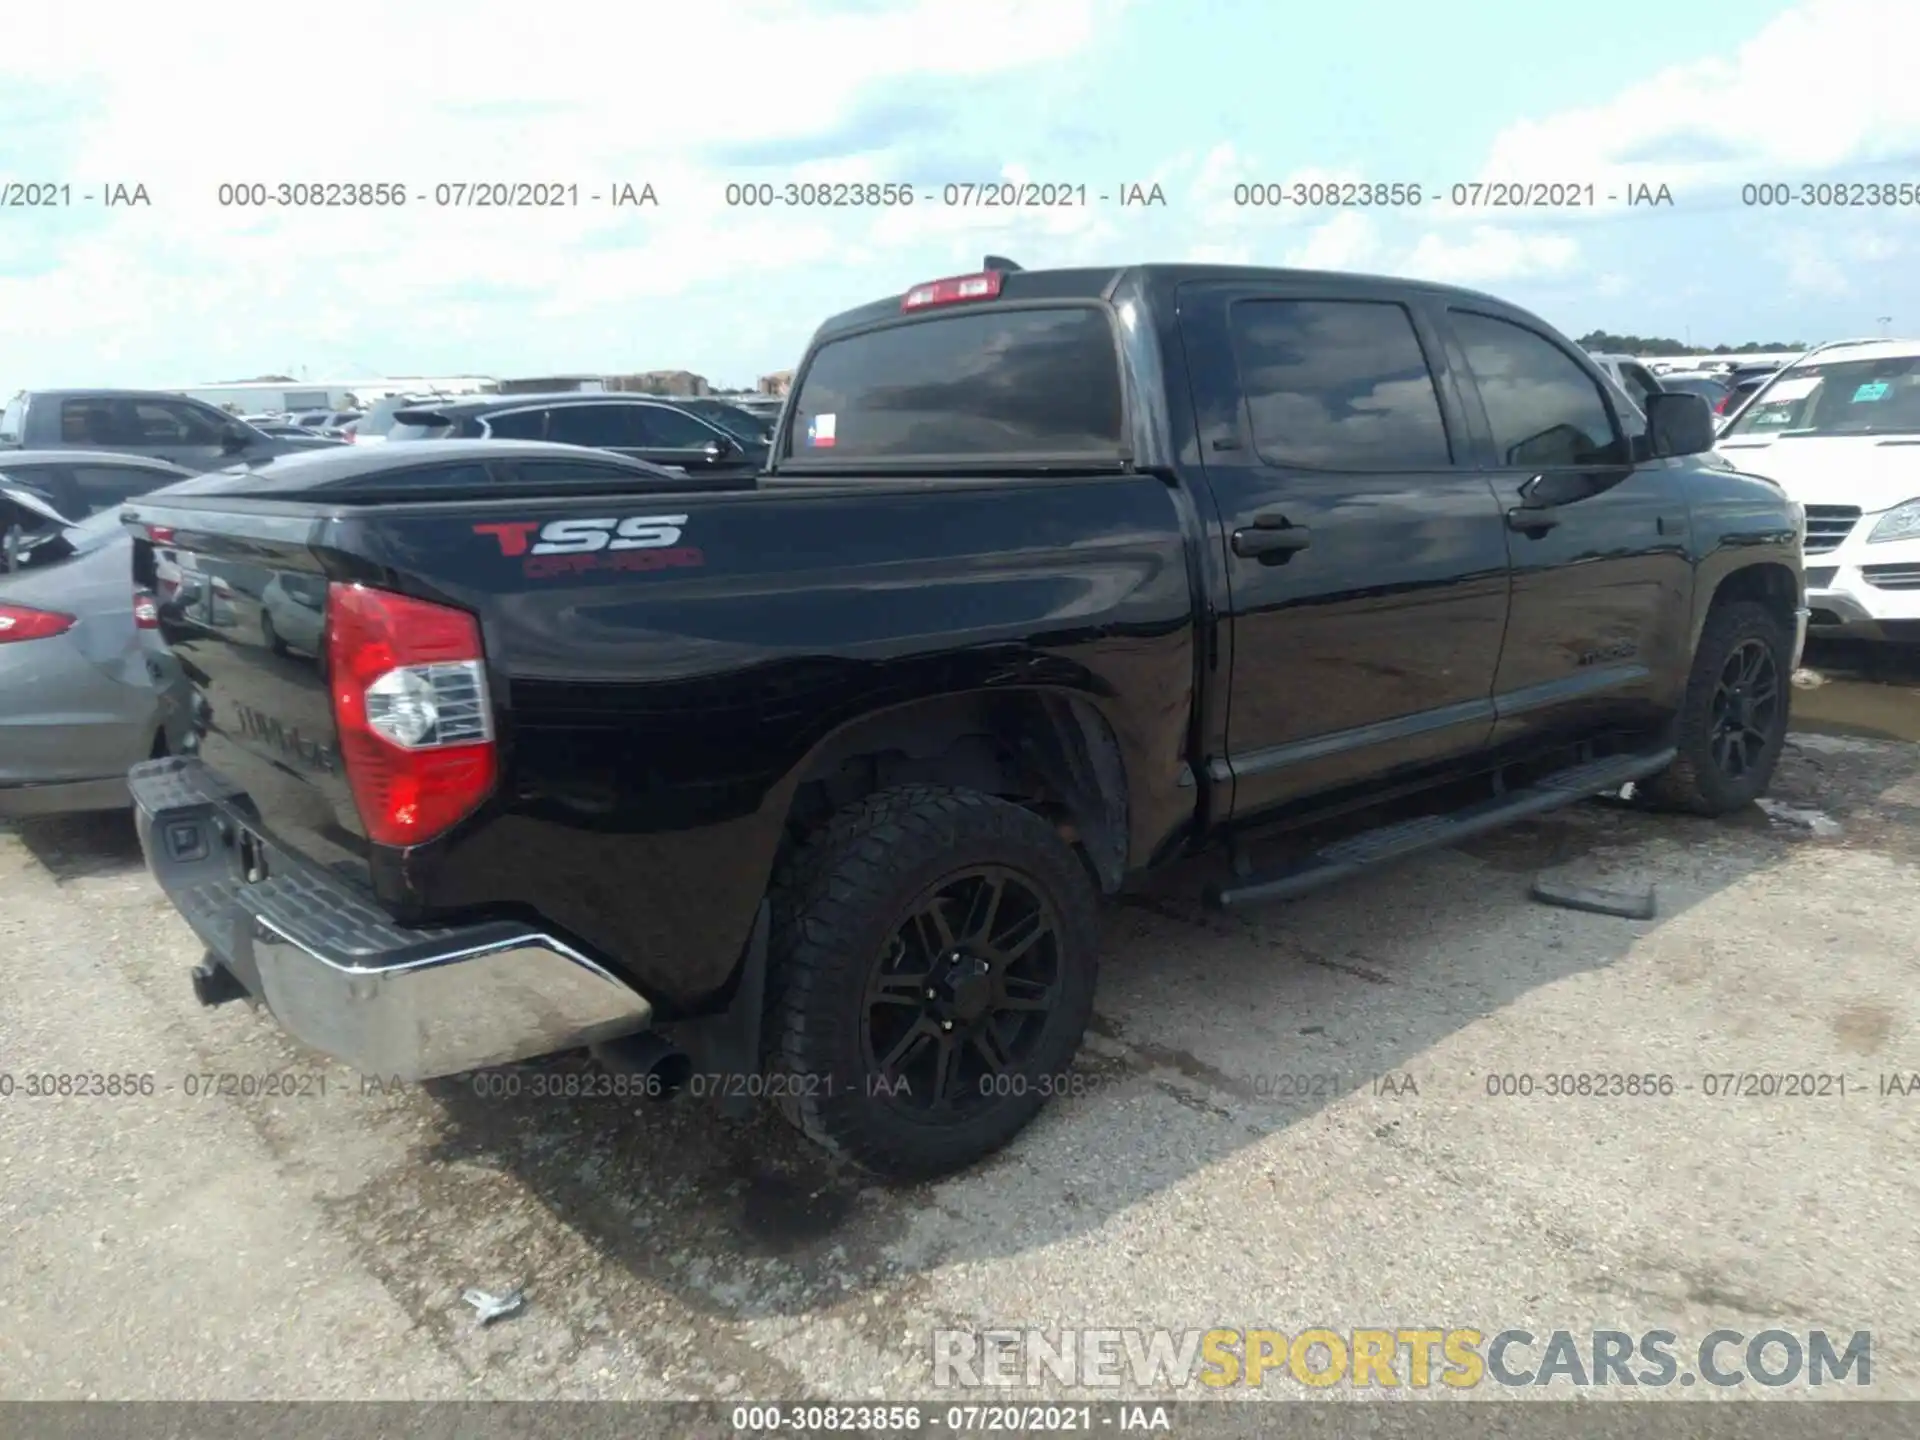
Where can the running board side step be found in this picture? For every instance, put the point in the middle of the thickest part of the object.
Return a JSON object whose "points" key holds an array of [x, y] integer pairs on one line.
{"points": [[1432, 832]]}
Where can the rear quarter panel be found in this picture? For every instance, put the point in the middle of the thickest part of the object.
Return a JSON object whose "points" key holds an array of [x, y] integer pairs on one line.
{"points": [[656, 718]]}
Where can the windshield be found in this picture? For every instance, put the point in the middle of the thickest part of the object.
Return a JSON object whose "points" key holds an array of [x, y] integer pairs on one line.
{"points": [[1841, 397]]}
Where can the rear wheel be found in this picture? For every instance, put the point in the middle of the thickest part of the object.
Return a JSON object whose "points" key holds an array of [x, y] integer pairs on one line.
{"points": [[933, 972], [1733, 721], [270, 634]]}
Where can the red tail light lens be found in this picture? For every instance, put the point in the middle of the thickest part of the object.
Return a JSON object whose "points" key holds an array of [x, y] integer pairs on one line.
{"points": [[146, 611], [410, 701], [17, 622]]}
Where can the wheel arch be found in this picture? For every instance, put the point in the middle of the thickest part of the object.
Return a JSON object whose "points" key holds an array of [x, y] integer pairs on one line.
{"points": [[1051, 750], [1770, 582]]}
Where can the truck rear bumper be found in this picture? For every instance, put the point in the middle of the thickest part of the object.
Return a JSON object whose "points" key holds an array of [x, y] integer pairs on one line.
{"points": [[390, 1000]]}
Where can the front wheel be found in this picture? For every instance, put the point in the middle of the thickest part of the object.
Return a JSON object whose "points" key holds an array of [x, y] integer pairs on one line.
{"points": [[1733, 721], [933, 972]]}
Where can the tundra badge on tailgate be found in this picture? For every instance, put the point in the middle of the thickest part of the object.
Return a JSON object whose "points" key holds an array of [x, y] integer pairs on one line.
{"points": [[578, 547]]}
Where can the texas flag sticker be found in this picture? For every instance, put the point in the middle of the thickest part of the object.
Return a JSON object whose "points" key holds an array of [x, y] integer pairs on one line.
{"points": [[820, 430]]}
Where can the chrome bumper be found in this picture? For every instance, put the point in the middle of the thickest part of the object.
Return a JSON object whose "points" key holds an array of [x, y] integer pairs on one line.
{"points": [[402, 1002]]}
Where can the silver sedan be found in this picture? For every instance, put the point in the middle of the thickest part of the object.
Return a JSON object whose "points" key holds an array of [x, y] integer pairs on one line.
{"points": [[87, 689]]}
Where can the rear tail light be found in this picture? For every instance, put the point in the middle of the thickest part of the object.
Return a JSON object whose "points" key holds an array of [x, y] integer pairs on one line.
{"points": [[953, 290], [17, 622], [1721, 408], [410, 702], [146, 611]]}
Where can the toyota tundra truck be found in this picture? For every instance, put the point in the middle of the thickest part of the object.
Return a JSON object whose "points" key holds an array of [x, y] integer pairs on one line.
{"points": [[1052, 579]]}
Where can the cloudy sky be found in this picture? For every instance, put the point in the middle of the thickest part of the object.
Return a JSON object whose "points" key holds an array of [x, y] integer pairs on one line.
{"points": [[1197, 96]]}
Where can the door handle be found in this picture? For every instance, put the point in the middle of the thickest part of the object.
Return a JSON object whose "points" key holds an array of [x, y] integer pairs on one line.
{"points": [[1271, 540], [1533, 519]]}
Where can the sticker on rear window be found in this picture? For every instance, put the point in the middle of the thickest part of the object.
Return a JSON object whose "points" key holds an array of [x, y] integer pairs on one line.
{"points": [[820, 430], [1872, 390]]}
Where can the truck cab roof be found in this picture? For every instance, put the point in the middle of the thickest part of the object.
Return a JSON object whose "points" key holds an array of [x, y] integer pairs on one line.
{"points": [[1154, 279]]}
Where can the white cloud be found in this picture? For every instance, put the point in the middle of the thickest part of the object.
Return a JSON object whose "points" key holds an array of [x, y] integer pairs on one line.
{"points": [[1489, 253], [184, 101], [1822, 87]]}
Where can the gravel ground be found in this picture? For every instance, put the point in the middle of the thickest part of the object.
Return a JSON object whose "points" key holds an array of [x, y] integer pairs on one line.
{"points": [[1285, 1123]]}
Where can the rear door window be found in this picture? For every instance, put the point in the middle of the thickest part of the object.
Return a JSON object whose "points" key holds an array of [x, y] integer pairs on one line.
{"points": [[599, 426], [13, 418], [666, 428], [1338, 385], [975, 385]]}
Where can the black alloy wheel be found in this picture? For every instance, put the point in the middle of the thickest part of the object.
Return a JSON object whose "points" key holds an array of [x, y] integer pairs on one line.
{"points": [[960, 994], [1746, 704]]}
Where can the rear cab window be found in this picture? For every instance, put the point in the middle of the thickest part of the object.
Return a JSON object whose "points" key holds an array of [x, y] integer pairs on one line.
{"points": [[990, 383]]}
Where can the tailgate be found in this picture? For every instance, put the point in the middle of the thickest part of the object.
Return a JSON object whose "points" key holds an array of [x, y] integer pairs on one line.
{"points": [[247, 623]]}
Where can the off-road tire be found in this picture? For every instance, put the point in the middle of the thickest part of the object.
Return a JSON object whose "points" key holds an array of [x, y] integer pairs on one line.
{"points": [[839, 900], [1694, 783]]}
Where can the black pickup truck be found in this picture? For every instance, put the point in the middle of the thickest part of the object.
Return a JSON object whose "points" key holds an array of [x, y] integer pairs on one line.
{"points": [[1054, 577]]}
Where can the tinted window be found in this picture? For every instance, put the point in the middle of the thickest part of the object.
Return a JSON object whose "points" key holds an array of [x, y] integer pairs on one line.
{"points": [[87, 422], [12, 418], [665, 428], [573, 472], [980, 384], [599, 425], [1544, 409], [100, 486], [518, 425], [167, 422], [1337, 385], [54, 483]]}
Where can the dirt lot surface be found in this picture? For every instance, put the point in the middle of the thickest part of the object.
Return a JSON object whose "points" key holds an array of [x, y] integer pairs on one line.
{"points": [[1284, 1121]]}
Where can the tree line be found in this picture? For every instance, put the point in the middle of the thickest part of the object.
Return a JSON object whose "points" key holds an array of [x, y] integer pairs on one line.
{"points": [[1603, 342]]}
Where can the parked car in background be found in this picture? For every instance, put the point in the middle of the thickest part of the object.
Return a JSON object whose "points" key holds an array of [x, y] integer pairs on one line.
{"points": [[285, 428], [78, 483], [1058, 578], [1739, 392], [745, 426], [1710, 388], [641, 426], [371, 428], [86, 686], [331, 423], [1841, 432], [161, 425], [1631, 376]]}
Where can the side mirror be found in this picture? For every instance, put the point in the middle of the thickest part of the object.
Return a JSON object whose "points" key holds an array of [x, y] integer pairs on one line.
{"points": [[719, 449], [1679, 424], [233, 439]]}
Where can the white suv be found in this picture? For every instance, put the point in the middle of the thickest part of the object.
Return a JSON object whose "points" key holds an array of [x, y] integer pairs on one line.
{"points": [[1840, 430]]}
